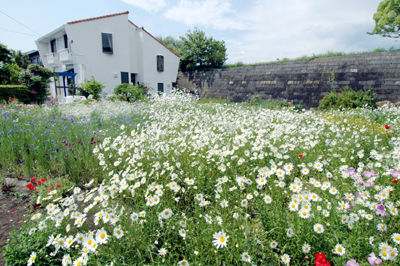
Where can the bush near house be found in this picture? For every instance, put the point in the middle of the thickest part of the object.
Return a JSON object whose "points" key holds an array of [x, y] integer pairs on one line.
{"points": [[91, 87], [131, 93], [348, 98], [20, 92], [36, 79]]}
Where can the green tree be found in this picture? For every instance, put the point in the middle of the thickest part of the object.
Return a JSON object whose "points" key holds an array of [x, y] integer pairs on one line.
{"points": [[174, 44], [5, 54], [20, 59], [387, 19], [201, 53], [9, 70]]}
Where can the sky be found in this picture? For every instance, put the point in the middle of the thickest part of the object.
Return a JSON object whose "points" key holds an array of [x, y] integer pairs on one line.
{"points": [[253, 30]]}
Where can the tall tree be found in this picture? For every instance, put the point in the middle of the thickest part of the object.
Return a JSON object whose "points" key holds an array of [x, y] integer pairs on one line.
{"points": [[9, 70], [387, 19], [201, 53], [172, 43]]}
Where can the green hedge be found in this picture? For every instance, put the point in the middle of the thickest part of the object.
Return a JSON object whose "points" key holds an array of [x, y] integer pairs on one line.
{"points": [[19, 92]]}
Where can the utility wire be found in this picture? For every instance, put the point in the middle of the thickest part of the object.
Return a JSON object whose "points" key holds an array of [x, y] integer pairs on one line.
{"points": [[20, 23], [29, 34]]}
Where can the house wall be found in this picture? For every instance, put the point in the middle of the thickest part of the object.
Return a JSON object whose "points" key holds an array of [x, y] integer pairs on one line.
{"points": [[151, 77], [87, 52], [134, 51]]}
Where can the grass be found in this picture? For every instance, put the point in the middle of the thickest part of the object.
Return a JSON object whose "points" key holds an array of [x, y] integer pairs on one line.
{"points": [[217, 183]]}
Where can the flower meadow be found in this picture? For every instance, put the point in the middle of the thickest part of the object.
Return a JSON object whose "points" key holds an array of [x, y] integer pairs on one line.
{"points": [[222, 184]]}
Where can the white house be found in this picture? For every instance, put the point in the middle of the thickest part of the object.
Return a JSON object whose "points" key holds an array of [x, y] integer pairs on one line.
{"points": [[112, 49]]}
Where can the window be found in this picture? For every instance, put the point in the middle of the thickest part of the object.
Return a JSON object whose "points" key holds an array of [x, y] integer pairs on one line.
{"points": [[124, 77], [133, 78], [160, 63], [106, 39], [160, 88], [53, 46], [65, 41]]}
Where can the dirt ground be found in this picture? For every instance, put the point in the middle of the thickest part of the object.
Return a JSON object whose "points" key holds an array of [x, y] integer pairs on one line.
{"points": [[14, 204]]}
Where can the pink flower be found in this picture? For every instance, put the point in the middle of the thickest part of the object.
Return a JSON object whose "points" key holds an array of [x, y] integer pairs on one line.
{"points": [[373, 260], [352, 262]]}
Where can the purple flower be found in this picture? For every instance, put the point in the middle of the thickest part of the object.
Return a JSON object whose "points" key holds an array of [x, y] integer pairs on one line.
{"points": [[380, 210], [373, 260], [351, 171], [352, 262], [395, 173]]}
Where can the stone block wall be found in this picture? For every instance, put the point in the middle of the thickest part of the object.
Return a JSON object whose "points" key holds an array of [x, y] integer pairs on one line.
{"points": [[301, 82]]}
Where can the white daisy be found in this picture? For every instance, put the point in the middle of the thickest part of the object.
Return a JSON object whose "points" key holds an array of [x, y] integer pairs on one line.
{"points": [[220, 239]]}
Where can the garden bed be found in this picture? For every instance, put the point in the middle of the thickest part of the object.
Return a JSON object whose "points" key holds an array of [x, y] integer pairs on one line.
{"points": [[173, 181]]}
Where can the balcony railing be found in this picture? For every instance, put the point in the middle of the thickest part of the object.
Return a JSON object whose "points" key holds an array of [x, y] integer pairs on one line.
{"points": [[51, 58], [65, 55]]}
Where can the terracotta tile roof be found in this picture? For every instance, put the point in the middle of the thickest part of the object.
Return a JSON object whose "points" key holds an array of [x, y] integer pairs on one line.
{"points": [[90, 19], [159, 41], [118, 14]]}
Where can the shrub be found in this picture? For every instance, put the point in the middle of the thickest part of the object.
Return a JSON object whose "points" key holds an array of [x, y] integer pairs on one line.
{"points": [[348, 98], [91, 87], [36, 78], [19, 92], [131, 93]]}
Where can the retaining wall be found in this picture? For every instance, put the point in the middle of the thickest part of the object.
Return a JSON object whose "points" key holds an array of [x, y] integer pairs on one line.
{"points": [[301, 82]]}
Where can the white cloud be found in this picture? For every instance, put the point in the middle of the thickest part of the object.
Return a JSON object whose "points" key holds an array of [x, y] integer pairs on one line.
{"points": [[293, 28], [216, 14], [148, 5]]}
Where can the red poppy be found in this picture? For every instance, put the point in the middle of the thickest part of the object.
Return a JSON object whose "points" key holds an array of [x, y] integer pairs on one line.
{"points": [[33, 179], [43, 180], [39, 183], [13, 212], [321, 260], [50, 188], [30, 186], [20, 221], [395, 181], [20, 107], [387, 127], [10, 99], [300, 155], [58, 185]]}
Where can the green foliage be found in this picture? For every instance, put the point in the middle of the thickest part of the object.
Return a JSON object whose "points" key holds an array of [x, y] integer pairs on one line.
{"points": [[5, 54], [36, 78], [201, 53], [131, 93], [387, 19], [348, 98], [174, 44], [91, 87], [11, 64], [20, 59], [20, 92], [9, 73], [21, 245]]}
